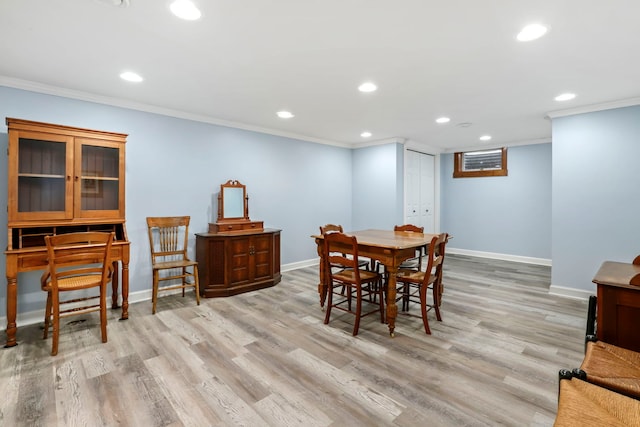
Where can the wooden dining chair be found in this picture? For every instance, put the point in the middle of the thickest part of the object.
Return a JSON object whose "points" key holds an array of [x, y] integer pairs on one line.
{"points": [[334, 228], [413, 285], [76, 262], [168, 238], [608, 365], [414, 263], [341, 266], [583, 404]]}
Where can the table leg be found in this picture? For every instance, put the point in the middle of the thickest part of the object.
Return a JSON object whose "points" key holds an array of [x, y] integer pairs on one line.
{"points": [[114, 285], [322, 287], [392, 308], [12, 299], [125, 287]]}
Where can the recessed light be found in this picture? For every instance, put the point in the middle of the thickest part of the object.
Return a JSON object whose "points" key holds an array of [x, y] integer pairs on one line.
{"points": [[185, 9], [285, 114], [485, 137], [532, 32], [443, 120], [367, 87], [565, 97], [131, 77], [365, 134], [117, 3]]}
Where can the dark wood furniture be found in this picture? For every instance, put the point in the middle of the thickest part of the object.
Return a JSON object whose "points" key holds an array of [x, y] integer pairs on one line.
{"points": [[388, 247], [235, 262], [168, 239], [77, 262], [237, 254], [341, 263], [618, 304], [62, 180]]}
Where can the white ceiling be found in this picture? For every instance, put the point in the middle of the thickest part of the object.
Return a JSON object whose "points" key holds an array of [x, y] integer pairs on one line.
{"points": [[244, 60]]}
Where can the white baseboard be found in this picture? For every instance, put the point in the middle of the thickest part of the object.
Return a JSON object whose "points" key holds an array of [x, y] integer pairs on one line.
{"points": [[33, 317], [504, 257], [574, 293], [300, 264]]}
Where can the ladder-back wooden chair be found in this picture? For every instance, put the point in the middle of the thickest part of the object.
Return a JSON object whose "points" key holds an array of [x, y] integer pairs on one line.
{"points": [[341, 266], [168, 238], [608, 365], [414, 263], [413, 285], [76, 262]]}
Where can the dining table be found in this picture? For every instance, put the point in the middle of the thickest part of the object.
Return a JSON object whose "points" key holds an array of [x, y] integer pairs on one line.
{"points": [[390, 248]]}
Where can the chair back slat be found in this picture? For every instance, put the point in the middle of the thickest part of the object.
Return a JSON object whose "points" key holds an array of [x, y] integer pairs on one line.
{"points": [[168, 237], [76, 254], [341, 252]]}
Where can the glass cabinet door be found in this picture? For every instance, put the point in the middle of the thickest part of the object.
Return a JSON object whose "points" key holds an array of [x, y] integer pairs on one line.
{"points": [[40, 183], [99, 180]]}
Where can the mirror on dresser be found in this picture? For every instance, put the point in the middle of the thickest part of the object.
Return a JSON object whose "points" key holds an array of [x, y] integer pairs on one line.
{"points": [[232, 201], [233, 209], [236, 255]]}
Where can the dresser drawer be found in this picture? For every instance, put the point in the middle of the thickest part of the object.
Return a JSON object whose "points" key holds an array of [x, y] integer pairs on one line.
{"points": [[222, 227]]}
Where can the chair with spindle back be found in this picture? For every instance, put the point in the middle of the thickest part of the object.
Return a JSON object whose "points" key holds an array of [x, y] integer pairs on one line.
{"points": [[168, 237]]}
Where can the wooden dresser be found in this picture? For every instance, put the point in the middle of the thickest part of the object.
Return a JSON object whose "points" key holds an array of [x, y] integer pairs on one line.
{"points": [[618, 304], [236, 255], [62, 179], [230, 263]]}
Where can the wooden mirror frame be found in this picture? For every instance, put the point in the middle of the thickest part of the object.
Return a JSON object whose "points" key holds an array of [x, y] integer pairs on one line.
{"points": [[229, 187]]}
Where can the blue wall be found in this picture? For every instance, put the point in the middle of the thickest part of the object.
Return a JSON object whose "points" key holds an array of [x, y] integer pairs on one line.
{"points": [[504, 214], [378, 178], [596, 196], [175, 167]]}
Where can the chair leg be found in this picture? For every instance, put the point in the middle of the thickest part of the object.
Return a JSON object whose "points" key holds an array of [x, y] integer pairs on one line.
{"points": [[47, 317], [380, 292], [197, 283], [329, 302], [356, 324], [154, 294], [423, 308], [55, 302], [103, 311], [184, 280], [436, 300]]}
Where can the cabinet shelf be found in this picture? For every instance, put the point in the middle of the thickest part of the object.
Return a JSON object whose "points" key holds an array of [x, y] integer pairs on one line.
{"points": [[39, 175], [64, 173]]}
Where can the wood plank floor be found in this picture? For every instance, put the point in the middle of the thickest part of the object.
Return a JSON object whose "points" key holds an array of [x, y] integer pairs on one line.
{"points": [[266, 359]]}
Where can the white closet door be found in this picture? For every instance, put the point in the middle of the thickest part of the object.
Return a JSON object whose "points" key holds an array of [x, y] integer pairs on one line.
{"points": [[420, 190]]}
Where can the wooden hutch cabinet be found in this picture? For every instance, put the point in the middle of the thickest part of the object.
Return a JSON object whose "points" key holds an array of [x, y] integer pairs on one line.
{"points": [[62, 179], [236, 255]]}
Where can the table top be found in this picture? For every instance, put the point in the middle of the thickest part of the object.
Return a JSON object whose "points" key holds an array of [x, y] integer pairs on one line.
{"points": [[621, 274], [389, 238]]}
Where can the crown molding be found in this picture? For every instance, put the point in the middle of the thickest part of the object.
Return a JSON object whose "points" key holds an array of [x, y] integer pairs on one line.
{"points": [[123, 103], [594, 107]]}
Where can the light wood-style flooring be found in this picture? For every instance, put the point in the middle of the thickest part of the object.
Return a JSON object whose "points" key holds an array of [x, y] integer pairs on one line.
{"points": [[266, 359]]}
